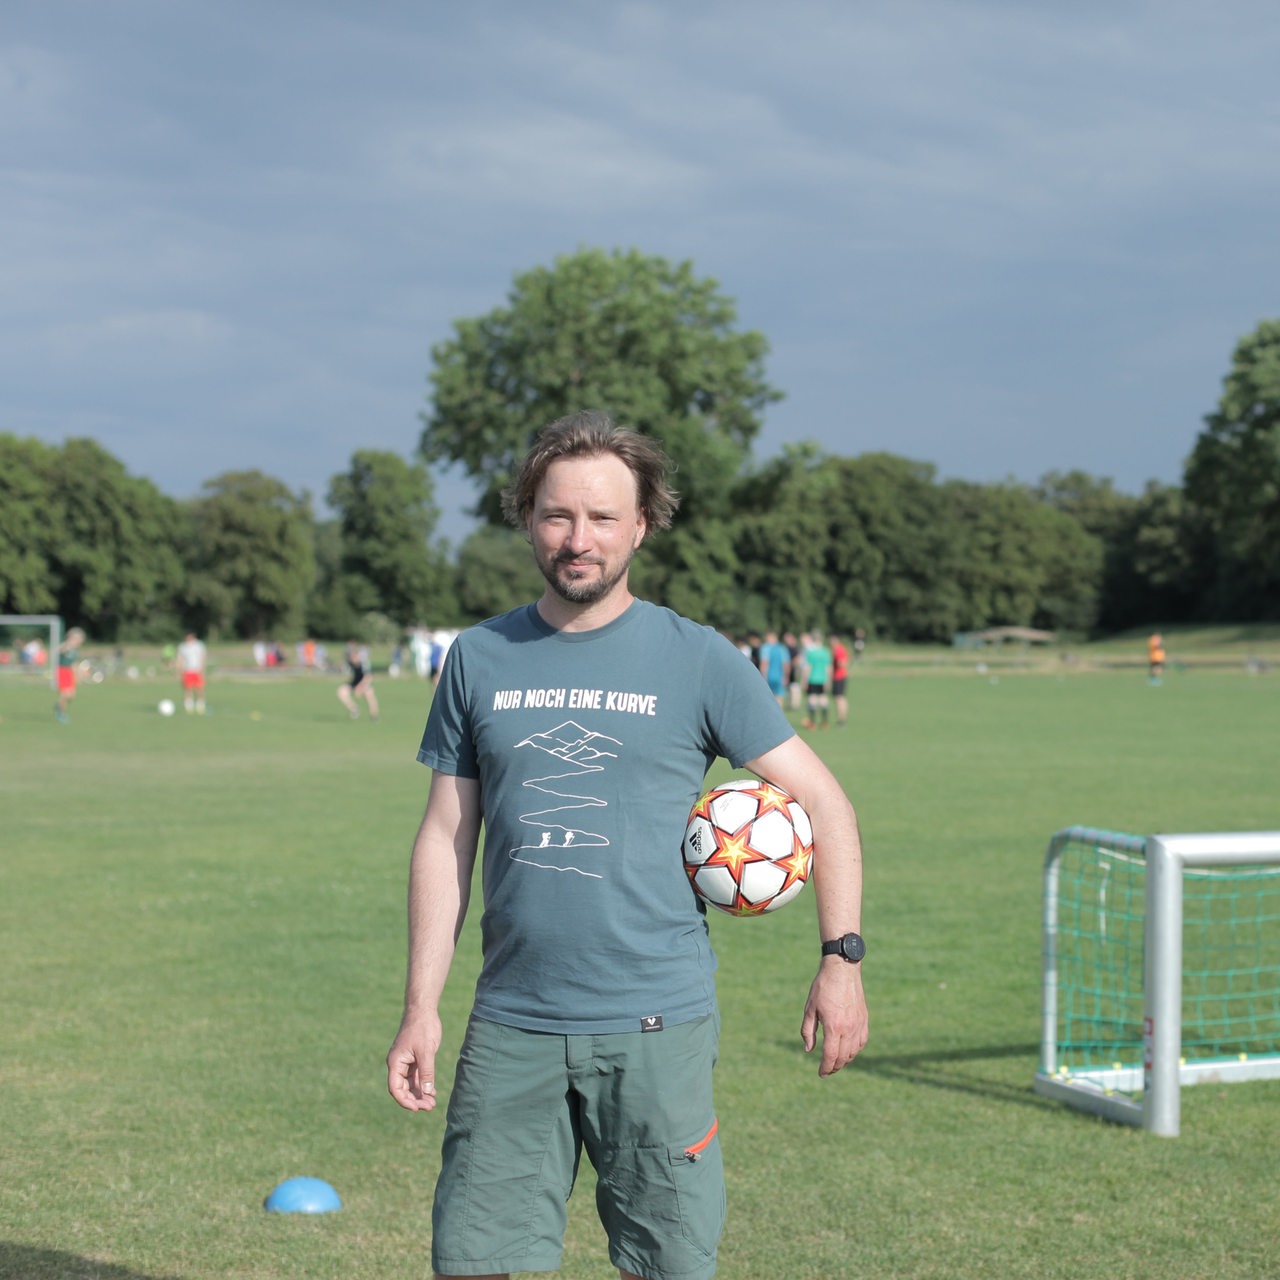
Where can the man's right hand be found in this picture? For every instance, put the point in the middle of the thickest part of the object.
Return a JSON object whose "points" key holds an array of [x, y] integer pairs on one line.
{"points": [[411, 1063]]}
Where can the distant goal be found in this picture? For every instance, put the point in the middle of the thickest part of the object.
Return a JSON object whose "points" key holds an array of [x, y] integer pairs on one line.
{"points": [[1161, 968], [17, 627]]}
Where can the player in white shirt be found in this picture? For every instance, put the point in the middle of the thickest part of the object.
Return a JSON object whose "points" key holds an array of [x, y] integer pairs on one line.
{"points": [[191, 663]]}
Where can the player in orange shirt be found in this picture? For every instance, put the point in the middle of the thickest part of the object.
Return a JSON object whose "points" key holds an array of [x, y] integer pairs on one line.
{"points": [[1155, 658]]}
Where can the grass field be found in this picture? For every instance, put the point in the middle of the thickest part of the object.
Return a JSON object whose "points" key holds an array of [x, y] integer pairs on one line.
{"points": [[201, 959]]}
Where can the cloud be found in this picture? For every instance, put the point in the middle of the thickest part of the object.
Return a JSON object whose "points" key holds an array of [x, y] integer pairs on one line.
{"points": [[544, 159], [999, 236]]}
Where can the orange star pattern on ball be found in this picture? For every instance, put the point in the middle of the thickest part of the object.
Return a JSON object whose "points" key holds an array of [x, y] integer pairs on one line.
{"points": [[770, 798], [733, 850], [796, 865]]}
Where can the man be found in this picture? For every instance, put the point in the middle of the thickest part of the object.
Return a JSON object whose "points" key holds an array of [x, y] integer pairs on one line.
{"points": [[68, 658], [775, 666], [817, 661], [795, 650], [578, 729], [420, 647], [839, 677], [191, 664], [359, 682], [1155, 657]]}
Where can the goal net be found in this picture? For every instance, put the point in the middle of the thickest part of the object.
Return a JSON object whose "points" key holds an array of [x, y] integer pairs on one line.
{"points": [[29, 644], [1161, 968]]}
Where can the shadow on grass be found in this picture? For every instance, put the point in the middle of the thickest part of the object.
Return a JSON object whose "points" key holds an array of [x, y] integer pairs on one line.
{"points": [[946, 1070], [25, 1262]]}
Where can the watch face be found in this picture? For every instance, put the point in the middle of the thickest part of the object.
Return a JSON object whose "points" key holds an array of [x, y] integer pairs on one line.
{"points": [[852, 947]]}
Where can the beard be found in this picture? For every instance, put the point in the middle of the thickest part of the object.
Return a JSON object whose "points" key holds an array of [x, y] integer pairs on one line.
{"points": [[577, 588]]}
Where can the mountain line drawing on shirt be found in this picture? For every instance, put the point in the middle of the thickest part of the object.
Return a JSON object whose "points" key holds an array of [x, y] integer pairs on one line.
{"points": [[556, 829]]}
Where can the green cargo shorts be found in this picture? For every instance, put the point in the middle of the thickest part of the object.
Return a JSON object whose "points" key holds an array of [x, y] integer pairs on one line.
{"points": [[525, 1105]]}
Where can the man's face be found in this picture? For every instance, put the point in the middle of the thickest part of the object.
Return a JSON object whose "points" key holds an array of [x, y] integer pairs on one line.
{"points": [[585, 526]]}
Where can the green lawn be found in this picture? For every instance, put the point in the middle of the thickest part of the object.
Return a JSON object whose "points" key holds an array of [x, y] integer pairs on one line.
{"points": [[202, 948]]}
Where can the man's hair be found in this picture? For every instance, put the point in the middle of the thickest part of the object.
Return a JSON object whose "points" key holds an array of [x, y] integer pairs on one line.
{"points": [[591, 434]]}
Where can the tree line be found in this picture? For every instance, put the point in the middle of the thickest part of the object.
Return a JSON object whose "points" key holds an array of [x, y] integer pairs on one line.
{"points": [[805, 539]]}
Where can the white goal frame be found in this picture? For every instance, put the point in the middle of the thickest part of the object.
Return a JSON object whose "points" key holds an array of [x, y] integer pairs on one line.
{"points": [[1159, 1106], [50, 620]]}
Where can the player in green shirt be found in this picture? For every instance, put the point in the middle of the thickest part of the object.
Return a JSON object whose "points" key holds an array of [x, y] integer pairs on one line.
{"points": [[817, 659]]}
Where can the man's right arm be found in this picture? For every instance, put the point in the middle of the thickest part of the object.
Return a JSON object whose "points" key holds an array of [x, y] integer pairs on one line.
{"points": [[444, 856]]}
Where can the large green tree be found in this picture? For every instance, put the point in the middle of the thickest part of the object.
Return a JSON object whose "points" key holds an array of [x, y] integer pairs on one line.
{"points": [[1021, 562], [81, 537], [804, 550], [875, 542], [1109, 516], [841, 543], [1095, 502], [330, 611], [250, 557], [1232, 480], [114, 551], [26, 584], [1169, 554], [387, 515], [495, 572], [1158, 562], [901, 511], [647, 341]]}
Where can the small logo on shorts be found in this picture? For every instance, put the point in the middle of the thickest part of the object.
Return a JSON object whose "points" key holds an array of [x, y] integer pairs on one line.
{"points": [[651, 1023]]}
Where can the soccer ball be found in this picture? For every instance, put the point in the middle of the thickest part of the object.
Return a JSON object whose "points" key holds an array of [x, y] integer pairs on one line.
{"points": [[748, 847], [165, 707]]}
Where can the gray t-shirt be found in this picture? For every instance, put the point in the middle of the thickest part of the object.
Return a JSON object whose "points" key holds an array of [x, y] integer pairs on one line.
{"points": [[590, 748]]}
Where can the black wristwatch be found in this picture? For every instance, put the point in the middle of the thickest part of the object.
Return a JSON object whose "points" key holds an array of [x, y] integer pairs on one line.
{"points": [[850, 947]]}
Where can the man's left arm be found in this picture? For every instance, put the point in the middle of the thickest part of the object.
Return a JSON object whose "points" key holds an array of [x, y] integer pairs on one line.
{"points": [[836, 1001]]}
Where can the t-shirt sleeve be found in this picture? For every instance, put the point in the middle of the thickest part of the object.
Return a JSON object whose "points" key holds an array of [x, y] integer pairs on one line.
{"points": [[448, 745], [743, 716]]}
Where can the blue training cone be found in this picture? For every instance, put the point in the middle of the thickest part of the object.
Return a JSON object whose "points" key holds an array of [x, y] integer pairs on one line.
{"points": [[303, 1195]]}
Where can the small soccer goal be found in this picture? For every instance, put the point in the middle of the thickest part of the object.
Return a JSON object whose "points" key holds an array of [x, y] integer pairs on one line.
{"points": [[1161, 968], [18, 627]]}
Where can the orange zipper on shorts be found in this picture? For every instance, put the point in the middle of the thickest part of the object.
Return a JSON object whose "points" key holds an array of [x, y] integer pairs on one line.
{"points": [[695, 1152]]}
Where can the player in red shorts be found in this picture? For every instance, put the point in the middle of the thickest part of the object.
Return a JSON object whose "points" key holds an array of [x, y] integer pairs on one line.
{"points": [[191, 663], [68, 657]]}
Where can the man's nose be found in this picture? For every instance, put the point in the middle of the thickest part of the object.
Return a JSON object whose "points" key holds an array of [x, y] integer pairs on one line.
{"points": [[579, 536]]}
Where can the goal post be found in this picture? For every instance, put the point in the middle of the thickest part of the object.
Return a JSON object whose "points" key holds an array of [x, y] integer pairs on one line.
{"points": [[1161, 968], [50, 622]]}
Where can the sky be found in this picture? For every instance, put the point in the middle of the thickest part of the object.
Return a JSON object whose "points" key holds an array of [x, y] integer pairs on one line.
{"points": [[1004, 238]]}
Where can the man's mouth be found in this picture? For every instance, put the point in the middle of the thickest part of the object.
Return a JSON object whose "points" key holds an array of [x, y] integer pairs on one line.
{"points": [[575, 565]]}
